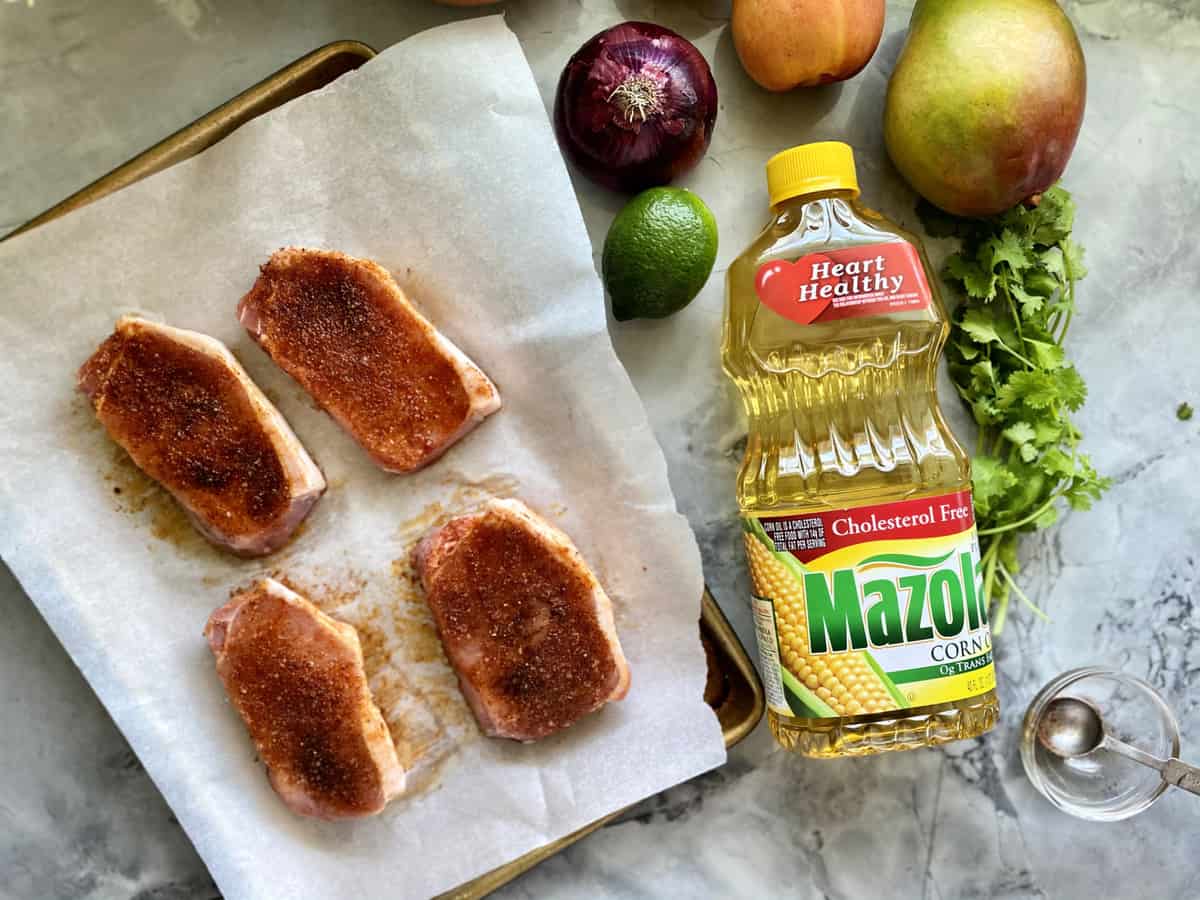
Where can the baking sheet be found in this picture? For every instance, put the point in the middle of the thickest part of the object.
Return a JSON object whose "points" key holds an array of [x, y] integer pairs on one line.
{"points": [[455, 185]]}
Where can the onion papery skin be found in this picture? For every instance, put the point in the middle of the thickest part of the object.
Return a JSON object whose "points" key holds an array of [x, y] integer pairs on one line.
{"points": [[635, 107]]}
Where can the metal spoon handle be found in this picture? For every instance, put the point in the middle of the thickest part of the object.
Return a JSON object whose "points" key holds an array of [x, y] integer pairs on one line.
{"points": [[1182, 775], [1174, 772], [1110, 743]]}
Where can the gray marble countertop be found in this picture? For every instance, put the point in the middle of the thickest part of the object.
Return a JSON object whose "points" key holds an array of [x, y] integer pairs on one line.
{"points": [[87, 85]]}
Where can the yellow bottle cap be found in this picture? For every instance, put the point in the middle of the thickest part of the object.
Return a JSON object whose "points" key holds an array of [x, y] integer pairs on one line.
{"points": [[810, 168]]}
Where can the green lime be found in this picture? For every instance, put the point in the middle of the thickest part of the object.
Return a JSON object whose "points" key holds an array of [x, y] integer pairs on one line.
{"points": [[658, 253]]}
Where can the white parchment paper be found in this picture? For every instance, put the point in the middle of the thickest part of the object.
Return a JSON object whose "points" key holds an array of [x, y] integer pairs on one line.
{"points": [[435, 159]]}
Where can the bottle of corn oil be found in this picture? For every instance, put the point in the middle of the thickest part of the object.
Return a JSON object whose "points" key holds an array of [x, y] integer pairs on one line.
{"points": [[855, 496]]}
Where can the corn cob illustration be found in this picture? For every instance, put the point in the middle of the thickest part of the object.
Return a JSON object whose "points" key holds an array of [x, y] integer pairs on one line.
{"points": [[826, 684]]}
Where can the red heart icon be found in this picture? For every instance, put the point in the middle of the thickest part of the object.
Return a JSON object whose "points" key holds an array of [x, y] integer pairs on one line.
{"points": [[778, 286]]}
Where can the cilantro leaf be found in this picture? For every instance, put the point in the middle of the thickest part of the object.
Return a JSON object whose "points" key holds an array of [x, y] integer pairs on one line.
{"points": [[985, 411], [1037, 390], [1047, 517], [1052, 261], [1056, 462], [1085, 491], [976, 280], [1020, 432], [1054, 217], [980, 324], [1010, 249], [1045, 354], [1030, 488], [1047, 431], [1072, 390], [1086, 486], [966, 351], [1031, 304], [983, 376], [1073, 260], [1038, 283], [990, 480]]}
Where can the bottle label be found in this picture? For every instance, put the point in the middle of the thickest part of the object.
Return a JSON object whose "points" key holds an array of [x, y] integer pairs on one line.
{"points": [[871, 609], [845, 284]]}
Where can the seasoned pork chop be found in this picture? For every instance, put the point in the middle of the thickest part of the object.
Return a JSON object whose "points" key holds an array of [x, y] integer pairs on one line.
{"points": [[191, 418], [296, 677], [344, 330], [523, 620]]}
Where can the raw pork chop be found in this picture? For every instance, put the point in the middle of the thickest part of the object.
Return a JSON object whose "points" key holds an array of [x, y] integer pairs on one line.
{"points": [[342, 327], [523, 620], [191, 418], [296, 677]]}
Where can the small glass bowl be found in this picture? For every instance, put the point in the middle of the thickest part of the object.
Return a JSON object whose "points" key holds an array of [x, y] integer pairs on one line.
{"points": [[1102, 786]]}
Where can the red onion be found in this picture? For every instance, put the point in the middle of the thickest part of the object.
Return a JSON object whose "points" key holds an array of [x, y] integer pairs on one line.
{"points": [[635, 106]]}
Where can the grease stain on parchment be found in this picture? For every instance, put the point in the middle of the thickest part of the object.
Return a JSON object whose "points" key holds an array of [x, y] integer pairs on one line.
{"points": [[466, 497], [409, 677], [136, 493]]}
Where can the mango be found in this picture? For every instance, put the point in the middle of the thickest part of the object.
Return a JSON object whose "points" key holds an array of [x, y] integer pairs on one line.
{"points": [[784, 44], [985, 103]]}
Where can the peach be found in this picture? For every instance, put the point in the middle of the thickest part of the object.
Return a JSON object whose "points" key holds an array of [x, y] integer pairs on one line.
{"points": [[785, 44]]}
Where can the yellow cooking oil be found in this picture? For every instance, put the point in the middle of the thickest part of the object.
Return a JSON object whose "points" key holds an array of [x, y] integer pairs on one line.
{"points": [[854, 494]]}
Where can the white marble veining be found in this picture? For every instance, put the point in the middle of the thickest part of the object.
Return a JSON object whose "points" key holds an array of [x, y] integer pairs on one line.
{"points": [[86, 85]]}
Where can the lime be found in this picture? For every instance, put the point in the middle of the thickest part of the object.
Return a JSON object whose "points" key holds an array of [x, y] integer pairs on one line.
{"points": [[658, 253]]}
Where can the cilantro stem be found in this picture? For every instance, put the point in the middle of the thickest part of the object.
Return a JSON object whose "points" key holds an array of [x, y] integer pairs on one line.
{"points": [[1012, 309], [1001, 615], [989, 552], [989, 579], [1009, 526], [1013, 352], [1068, 295], [1012, 584], [1062, 335]]}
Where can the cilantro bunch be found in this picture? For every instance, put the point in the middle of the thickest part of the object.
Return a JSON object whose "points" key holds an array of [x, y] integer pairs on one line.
{"points": [[1018, 272]]}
